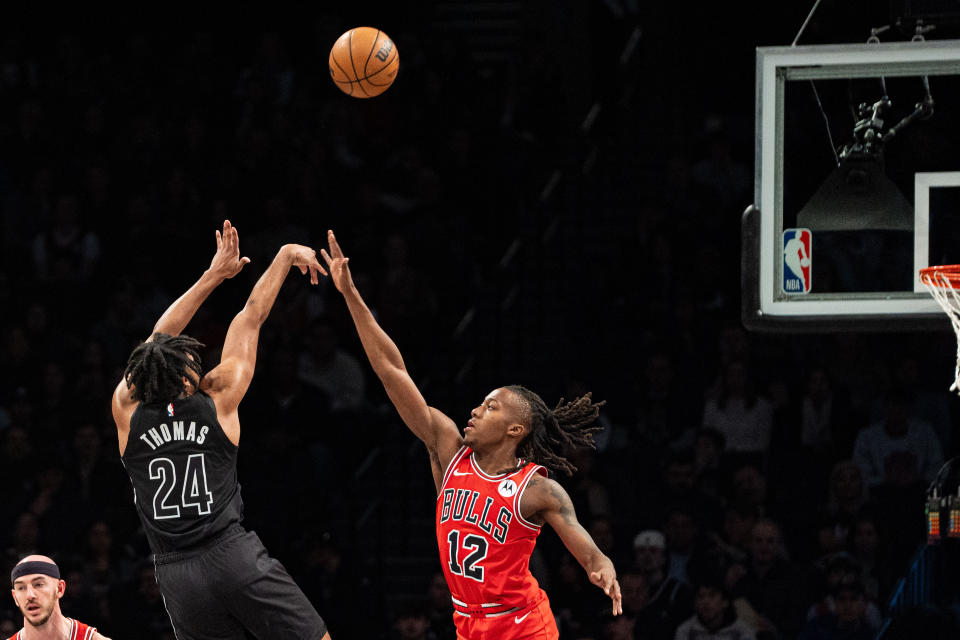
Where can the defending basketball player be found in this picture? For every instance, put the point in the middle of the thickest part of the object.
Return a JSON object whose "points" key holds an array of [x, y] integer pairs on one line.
{"points": [[178, 431], [37, 589], [493, 496]]}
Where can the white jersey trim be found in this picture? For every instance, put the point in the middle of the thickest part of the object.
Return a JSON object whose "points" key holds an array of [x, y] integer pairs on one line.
{"points": [[516, 499], [486, 476], [458, 456], [485, 604]]}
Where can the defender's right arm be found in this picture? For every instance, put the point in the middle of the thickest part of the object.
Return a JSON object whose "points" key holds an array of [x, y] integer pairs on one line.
{"points": [[435, 429]]}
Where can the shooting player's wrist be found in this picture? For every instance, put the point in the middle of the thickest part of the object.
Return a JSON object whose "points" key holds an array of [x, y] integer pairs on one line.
{"points": [[214, 276]]}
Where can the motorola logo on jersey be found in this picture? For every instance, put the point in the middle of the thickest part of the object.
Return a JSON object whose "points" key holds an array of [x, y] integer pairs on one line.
{"points": [[507, 488], [461, 505]]}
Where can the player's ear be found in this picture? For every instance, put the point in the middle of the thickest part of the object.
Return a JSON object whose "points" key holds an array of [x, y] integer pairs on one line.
{"points": [[517, 430], [61, 588]]}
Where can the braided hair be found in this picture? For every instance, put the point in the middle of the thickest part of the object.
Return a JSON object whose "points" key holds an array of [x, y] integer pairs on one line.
{"points": [[569, 424], [155, 369]]}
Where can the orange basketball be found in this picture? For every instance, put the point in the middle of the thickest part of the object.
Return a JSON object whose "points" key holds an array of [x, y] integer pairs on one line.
{"points": [[364, 62]]}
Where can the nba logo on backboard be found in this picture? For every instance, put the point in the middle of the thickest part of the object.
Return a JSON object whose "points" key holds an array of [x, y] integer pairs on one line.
{"points": [[797, 258]]}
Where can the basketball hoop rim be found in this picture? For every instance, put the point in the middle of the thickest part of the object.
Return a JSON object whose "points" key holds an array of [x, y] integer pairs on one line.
{"points": [[944, 276]]}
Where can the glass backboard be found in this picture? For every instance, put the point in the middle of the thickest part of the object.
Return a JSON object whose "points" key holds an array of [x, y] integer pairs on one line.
{"points": [[857, 185]]}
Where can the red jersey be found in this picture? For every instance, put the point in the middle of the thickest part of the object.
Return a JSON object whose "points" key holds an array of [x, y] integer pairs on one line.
{"points": [[485, 544], [78, 631]]}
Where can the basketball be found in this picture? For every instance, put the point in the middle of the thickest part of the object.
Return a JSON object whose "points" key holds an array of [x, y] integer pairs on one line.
{"points": [[364, 62]]}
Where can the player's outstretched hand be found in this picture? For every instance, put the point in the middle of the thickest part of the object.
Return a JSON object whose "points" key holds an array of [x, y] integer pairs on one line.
{"points": [[606, 579], [226, 261], [338, 264], [305, 259]]}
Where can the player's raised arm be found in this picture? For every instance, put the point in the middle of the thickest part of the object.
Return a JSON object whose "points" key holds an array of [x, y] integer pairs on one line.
{"points": [[550, 502], [226, 263], [435, 429], [228, 382]]}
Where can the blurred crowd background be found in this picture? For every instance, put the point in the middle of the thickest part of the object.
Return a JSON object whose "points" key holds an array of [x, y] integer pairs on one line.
{"points": [[549, 195]]}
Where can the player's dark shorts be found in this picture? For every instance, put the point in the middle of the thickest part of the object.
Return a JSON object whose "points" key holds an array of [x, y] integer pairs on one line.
{"points": [[232, 584]]}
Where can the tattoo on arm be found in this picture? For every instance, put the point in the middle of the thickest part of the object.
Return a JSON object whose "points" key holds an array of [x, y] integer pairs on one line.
{"points": [[565, 504], [557, 499]]}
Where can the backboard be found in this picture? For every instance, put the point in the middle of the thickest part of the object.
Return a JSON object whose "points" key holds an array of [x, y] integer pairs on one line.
{"points": [[857, 185]]}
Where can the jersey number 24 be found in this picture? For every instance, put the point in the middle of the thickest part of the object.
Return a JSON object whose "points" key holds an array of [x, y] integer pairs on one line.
{"points": [[193, 492]]}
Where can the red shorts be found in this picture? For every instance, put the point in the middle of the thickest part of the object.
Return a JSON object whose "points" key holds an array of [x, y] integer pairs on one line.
{"points": [[535, 623]]}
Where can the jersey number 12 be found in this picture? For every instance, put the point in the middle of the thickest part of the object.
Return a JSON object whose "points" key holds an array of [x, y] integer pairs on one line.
{"points": [[476, 545]]}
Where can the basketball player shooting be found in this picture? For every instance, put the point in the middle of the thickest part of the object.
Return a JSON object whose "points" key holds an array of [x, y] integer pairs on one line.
{"points": [[493, 495], [178, 430]]}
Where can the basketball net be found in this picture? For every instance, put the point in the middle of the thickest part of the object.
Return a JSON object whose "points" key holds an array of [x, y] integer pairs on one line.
{"points": [[942, 283]]}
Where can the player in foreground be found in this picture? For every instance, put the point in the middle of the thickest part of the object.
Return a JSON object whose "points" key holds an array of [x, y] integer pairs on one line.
{"points": [[493, 495], [178, 431], [37, 589]]}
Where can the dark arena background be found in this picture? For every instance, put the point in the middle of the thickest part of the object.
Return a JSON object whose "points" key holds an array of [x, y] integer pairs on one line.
{"points": [[549, 195]]}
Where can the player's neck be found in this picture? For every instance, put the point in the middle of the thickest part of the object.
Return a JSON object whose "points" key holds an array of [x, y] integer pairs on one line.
{"points": [[57, 627], [497, 460]]}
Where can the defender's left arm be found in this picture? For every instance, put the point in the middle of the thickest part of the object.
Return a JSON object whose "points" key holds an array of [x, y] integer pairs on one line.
{"points": [[548, 501]]}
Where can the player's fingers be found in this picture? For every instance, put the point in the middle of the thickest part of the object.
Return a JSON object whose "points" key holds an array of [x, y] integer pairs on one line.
{"points": [[334, 245], [244, 261], [219, 240], [314, 278], [326, 258], [319, 267], [303, 269]]}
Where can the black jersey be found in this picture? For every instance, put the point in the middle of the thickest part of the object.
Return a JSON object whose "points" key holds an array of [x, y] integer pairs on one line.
{"points": [[184, 472]]}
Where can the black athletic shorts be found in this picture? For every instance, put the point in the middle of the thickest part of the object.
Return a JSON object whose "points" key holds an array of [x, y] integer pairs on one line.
{"points": [[230, 585]]}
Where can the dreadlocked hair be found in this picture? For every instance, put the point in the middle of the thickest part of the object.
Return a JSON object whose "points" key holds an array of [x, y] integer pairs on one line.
{"points": [[155, 369], [569, 424]]}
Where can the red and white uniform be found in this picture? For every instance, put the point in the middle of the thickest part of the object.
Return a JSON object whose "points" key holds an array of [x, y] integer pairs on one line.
{"points": [[485, 546], [78, 631]]}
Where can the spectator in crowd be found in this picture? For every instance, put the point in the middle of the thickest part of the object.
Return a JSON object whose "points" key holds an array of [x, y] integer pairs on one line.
{"points": [[66, 252], [769, 581], [847, 621], [708, 448], [899, 450], [335, 372], [714, 618], [868, 547], [410, 622], [739, 412], [837, 570], [137, 609], [681, 532], [670, 598], [440, 607], [847, 493]]}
